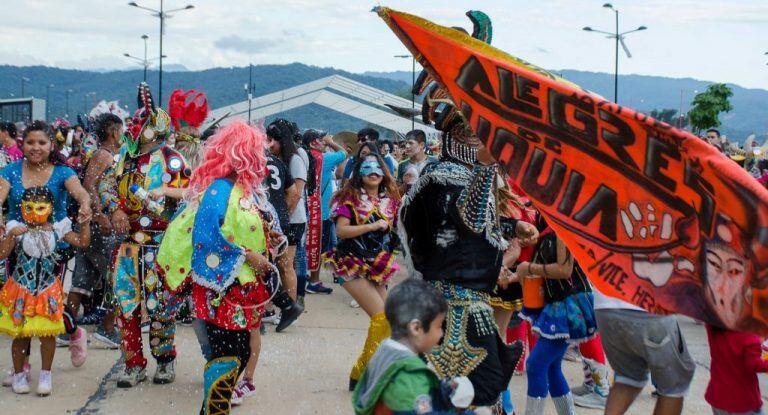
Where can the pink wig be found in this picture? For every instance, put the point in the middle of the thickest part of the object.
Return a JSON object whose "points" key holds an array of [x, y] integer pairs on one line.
{"points": [[236, 150]]}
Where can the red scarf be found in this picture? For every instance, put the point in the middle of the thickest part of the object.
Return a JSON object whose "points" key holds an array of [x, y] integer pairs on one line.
{"points": [[315, 221]]}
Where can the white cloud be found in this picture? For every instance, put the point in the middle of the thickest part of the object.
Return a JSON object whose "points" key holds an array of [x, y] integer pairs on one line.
{"points": [[706, 39]]}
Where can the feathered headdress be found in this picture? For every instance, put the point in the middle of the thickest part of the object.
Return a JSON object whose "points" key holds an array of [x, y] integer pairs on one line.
{"points": [[186, 112], [149, 123]]}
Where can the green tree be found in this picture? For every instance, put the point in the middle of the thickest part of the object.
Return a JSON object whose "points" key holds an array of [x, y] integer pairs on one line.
{"points": [[707, 106]]}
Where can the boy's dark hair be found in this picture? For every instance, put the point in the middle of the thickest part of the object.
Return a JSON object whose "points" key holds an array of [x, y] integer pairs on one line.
{"points": [[412, 299], [9, 128], [417, 135], [37, 193], [105, 124], [714, 130], [367, 134], [383, 143]]}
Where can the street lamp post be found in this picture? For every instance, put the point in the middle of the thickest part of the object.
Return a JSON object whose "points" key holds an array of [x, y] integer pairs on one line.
{"points": [[24, 80], [66, 114], [413, 84], [249, 90], [162, 15], [48, 101], [619, 39]]}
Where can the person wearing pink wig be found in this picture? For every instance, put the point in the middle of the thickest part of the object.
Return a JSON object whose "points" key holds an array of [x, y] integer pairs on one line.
{"points": [[219, 245]]}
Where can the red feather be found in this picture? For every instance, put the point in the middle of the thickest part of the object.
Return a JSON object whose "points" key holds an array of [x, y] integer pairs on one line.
{"points": [[192, 112]]}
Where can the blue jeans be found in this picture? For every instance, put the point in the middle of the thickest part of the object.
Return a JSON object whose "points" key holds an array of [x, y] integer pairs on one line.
{"points": [[544, 369], [201, 332]]}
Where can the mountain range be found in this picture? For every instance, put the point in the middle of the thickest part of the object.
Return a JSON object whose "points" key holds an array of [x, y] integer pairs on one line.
{"points": [[226, 86]]}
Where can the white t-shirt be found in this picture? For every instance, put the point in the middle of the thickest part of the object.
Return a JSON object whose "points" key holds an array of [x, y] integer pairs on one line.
{"points": [[604, 302], [299, 166]]}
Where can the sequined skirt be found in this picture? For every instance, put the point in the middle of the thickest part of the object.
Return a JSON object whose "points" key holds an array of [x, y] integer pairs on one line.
{"points": [[572, 319]]}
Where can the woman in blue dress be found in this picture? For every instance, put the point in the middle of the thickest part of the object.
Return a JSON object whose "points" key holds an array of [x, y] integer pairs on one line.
{"points": [[37, 170]]}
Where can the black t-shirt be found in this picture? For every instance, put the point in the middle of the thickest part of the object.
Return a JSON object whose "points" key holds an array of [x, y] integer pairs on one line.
{"points": [[278, 181]]}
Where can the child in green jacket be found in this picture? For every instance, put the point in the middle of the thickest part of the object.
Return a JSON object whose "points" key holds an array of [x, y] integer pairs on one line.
{"points": [[397, 381]]}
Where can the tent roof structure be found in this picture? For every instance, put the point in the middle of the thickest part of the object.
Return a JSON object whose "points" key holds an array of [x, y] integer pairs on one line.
{"points": [[336, 93]]}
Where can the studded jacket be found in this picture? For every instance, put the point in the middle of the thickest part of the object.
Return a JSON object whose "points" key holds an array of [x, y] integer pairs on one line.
{"points": [[158, 167], [449, 226]]}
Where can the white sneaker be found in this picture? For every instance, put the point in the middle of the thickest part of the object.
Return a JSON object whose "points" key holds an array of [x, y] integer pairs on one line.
{"points": [[8, 379], [44, 384], [20, 383]]}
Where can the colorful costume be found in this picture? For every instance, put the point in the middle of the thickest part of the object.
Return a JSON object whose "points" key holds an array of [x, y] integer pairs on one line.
{"points": [[367, 256], [397, 381], [205, 246], [135, 278], [32, 300], [451, 235], [568, 316]]}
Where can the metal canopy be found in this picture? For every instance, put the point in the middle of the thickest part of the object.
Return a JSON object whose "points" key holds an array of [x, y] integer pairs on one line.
{"points": [[334, 93]]}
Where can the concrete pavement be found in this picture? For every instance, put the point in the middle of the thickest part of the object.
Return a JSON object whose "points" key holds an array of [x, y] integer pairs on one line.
{"points": [[301, 371]]}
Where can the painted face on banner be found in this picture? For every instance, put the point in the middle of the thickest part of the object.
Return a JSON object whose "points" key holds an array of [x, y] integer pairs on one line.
{"points": [[726, 278], [36, 212]]}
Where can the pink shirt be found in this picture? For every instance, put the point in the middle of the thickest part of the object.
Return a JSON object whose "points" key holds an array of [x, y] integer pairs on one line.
{"points": [[14, 152]]}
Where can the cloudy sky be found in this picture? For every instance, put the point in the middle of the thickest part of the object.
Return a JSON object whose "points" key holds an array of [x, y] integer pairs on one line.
{"points": [[715, 40]]}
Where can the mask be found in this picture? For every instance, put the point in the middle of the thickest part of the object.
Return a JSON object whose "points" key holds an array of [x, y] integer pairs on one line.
{"points": [[370, 166], [36, 213]]}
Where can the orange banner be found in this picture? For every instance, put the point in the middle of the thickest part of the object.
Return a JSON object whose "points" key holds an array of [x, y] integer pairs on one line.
{"points": [[654, 215]]}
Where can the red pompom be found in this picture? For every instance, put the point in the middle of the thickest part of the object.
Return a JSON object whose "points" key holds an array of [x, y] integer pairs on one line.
{"points": [[187, 112]]}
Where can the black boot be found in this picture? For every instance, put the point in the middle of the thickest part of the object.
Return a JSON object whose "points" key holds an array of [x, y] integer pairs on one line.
{"points": [[289, 310]]}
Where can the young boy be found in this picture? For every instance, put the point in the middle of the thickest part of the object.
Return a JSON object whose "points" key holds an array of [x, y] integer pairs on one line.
{"points": [[396, 380]]}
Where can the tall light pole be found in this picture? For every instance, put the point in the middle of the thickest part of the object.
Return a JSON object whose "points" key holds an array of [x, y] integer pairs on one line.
{"points": [[24, 80], [249, 90], [48, 101], [143, 62], [162, 15], [619, 38], [66, 114], [413, 83]]}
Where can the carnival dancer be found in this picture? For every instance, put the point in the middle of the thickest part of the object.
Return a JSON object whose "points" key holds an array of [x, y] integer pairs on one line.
{"points": [[36, 169], [365, 211], [93, 263], [450, 233], [219, 244], [566, 316], [31, 301], [147, 168]]}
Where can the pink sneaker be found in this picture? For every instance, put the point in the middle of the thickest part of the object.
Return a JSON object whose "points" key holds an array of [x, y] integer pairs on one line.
{"points": [[243, 390], [78, 346]]}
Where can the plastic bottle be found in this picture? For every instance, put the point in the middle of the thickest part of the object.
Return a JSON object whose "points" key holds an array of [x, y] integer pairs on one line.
{"points": [[152, 205]]}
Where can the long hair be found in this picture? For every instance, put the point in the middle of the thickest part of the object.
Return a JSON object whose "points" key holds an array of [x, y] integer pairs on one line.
{"points": [[236, 149], [282, 131], [351, 188]]}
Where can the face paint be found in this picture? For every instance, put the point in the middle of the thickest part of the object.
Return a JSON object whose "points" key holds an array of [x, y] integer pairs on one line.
{"points": [[36, 213], [370, 166]]}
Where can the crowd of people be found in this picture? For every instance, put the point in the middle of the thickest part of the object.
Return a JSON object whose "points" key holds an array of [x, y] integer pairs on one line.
{"points": [[158, 223]]}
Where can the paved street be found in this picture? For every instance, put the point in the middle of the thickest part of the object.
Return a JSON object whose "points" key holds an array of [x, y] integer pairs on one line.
{"points": [[301, 371]]}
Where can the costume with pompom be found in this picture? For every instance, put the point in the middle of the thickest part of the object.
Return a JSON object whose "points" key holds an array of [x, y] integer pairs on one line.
{"points": [[136, 280], [369, 255], [205, 246], [32, 299]]}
